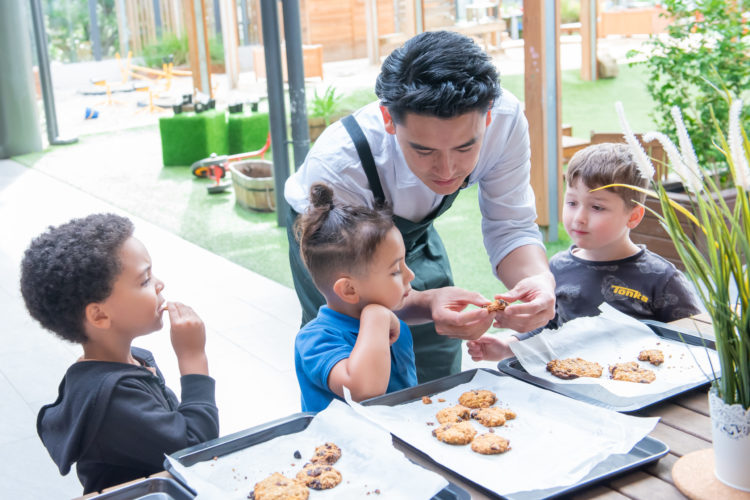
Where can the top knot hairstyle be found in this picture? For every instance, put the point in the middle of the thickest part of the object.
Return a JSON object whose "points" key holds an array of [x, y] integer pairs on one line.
{"points": [[608, 163], [335, 238], [439, 73], [70, 266]]}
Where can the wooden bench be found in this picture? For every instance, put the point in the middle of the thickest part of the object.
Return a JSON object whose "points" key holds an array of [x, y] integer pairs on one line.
{"points": [[387, 43], [570, 28], [490, 33]]}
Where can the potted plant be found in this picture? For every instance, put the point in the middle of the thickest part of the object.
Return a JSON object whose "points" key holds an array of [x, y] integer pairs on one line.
{"points": [[721, 271], [323, 110]]}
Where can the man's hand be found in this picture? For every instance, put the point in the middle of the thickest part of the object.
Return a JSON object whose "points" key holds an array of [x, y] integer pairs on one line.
{"points": [[188, 335], [448, 309], [537, 292]]}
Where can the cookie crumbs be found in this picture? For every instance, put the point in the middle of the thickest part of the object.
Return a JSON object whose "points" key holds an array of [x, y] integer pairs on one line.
{"points": [[441, 400], [297, 454], [426, 400]]}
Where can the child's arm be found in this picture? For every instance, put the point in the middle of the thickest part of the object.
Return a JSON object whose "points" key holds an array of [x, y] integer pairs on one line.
{"points": [[138, 428], [490, 348], [367, 370], [188, 336]]}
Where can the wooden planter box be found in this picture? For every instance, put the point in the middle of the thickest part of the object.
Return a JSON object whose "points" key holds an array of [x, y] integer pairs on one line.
{"points": [[640, 21], [650, 233]]}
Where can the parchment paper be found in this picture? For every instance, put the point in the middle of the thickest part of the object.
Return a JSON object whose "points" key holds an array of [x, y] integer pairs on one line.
{"points": [[555, 441], [614, 337], [368, 462]]}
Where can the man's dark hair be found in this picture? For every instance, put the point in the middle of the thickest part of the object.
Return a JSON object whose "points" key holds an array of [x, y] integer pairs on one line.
{"points": [[71, 266], [439, 73]]}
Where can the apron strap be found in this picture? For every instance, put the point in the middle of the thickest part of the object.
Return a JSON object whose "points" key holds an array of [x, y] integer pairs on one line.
{"points": [[365, 156]]}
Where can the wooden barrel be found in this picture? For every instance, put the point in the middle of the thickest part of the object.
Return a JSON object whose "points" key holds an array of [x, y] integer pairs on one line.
{"points": [[253, 184]]}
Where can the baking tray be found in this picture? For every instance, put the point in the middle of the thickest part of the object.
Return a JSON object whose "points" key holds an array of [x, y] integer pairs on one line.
{"points": [[259, 434], [156, 488], [597, 395], [645, 451]]}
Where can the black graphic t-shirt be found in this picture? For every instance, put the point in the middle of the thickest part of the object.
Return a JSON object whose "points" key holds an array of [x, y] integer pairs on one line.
{"points": [[645, 286]]}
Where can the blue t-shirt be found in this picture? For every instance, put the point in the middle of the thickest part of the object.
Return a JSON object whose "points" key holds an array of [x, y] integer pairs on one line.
{"points": [[328, 339]]}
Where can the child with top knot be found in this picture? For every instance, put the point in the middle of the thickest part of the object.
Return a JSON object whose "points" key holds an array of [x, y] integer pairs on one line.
{"points": [[356, 258]]}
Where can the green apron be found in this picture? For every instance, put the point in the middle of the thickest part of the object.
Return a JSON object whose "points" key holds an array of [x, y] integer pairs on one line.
{"points": [[436, 355]]}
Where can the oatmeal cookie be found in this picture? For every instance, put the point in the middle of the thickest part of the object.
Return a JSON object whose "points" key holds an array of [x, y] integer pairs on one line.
{"points": [[489, 417], [573, 368], [456, 413], [509, 414], [492, 417], [490, 444], [279, 487], [495, 305], [631, 372], [460, 433], [653, 356], [327, 453], [477, 398], [319, 476]]}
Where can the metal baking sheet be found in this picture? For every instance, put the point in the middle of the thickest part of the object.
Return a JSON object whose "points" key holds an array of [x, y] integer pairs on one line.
{"points": [[646, 451], [597, 395], [265, 432], [156, 488]]}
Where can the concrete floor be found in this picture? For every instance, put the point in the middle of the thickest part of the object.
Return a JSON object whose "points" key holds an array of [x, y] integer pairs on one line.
{"points": [[251, 323]]}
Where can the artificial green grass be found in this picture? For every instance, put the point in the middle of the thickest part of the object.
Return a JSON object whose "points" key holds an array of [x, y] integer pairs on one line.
{"points": [[589, 106], [189, 137], [175, 200], [247, 132]]}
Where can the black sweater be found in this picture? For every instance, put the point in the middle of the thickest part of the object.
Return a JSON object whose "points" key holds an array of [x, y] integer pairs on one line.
{"points": [[116, 421]]}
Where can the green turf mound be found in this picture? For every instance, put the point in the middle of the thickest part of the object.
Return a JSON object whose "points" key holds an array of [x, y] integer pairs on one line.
{"points": [[247, 132], [189, 137]]}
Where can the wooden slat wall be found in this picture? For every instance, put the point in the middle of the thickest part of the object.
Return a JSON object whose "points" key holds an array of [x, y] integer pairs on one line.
{"points": [[142, 21], [339, 25]]}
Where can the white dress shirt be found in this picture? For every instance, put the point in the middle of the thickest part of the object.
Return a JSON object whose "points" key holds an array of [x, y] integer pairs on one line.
{"points": [[506, 199]]}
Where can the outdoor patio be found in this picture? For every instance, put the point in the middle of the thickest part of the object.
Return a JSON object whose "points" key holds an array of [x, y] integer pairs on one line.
{"points": [[251, 320]]}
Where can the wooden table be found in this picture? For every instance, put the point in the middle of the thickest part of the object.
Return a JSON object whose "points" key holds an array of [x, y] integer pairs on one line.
{"points": [[685, 426]]}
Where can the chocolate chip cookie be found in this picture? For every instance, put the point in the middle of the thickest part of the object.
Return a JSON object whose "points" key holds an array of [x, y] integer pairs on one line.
{"points": [[489, 417], [319, 476], [455, 433], [573, 368], [327, 453], [277, 487], [456, 413], [477, 398], [490, 444], [631, 372], [653, 356], [496, 305]]}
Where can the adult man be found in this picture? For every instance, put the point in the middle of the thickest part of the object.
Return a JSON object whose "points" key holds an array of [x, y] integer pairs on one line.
{"points": [[442, 123]]}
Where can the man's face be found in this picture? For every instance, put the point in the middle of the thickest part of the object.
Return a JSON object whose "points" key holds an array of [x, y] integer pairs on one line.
{"points": [[441, 152]]}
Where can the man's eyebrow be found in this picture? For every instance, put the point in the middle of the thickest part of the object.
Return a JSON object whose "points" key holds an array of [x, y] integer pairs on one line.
{"points": [[460, 146], [419, 146]]}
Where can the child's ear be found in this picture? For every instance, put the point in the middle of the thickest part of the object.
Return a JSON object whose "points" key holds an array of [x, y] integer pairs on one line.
{"points": [[636, 216], [97, 316], [345, 289]]}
